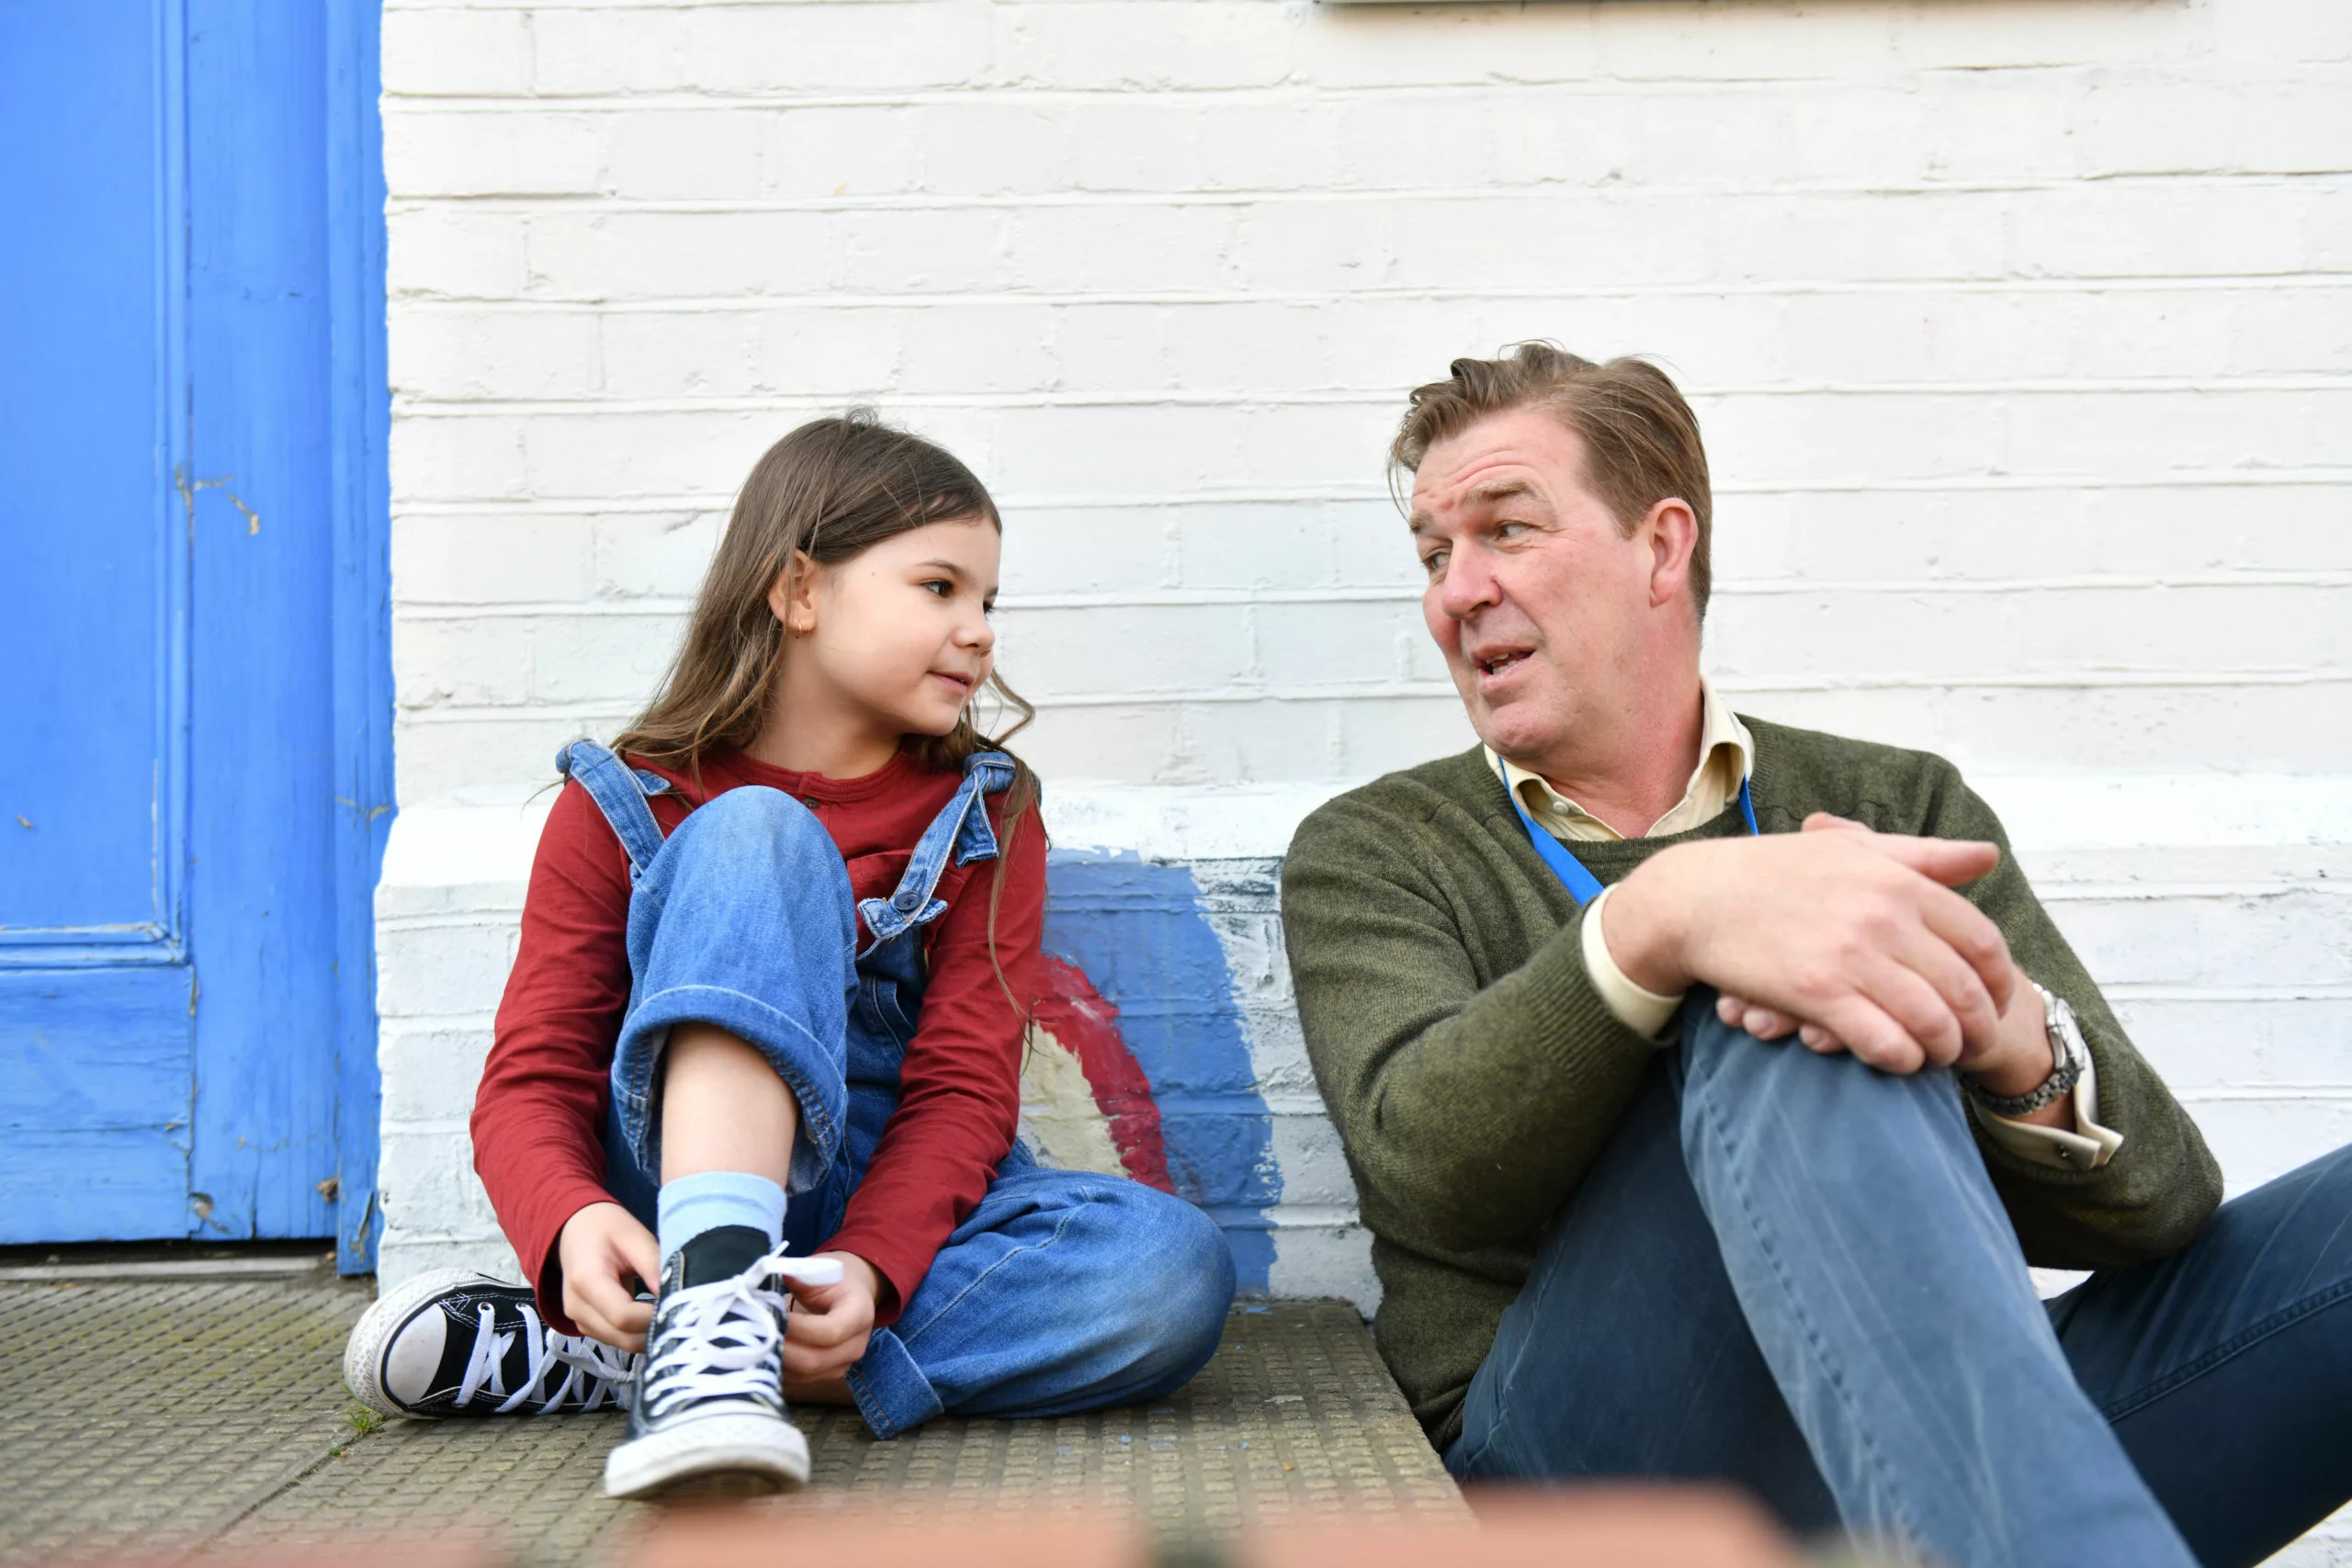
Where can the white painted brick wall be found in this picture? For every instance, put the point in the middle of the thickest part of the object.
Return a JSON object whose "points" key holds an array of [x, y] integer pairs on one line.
{"points": [[2021, 332]]}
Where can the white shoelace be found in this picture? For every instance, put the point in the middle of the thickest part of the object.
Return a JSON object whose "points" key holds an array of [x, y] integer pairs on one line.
{"points": [[593, 1371], [725, 1340]]}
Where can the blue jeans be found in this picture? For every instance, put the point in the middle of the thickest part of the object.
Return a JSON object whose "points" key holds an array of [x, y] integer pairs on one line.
{"points": [[1062, 1291], [1791, 1273]]}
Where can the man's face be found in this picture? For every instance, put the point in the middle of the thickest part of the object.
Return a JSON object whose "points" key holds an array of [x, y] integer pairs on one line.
{"points": [[1534, 595]]}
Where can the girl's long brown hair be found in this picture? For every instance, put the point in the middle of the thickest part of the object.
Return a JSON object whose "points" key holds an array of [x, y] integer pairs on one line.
{"points": [[832, 489]]}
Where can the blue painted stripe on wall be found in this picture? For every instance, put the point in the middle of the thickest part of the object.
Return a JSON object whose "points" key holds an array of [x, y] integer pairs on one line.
{"points": [[1141, 933]]}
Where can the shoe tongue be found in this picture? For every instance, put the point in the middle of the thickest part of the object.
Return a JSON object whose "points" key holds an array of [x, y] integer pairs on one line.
{"points": [[721, 1253]]}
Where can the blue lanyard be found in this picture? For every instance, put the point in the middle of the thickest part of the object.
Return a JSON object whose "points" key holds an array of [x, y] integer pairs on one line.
{"points": [[1583, 887]]}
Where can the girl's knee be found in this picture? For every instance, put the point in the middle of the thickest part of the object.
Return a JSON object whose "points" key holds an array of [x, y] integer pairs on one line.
{"points": [[755, 812], [754, 826], [1175, 1281]]}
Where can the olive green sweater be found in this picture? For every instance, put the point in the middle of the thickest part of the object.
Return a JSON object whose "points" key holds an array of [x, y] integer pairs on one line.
{"points": [[1474, 1072]]}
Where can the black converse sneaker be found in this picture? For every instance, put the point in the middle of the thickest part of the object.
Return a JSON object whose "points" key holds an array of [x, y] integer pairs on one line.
{"points": [[708, 1414], [457, 1343]]}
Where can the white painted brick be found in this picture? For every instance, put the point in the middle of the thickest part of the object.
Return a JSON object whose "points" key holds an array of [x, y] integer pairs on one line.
{"points": [[996, 146], [686, 155], [600, 659], [474, 152], [456, 459], [441, 968], [2200, 1046], [1052, 549], [461, 354], [2263, 35], [764, 49], [2139, 229], [965, 350], [2292, 938], [2263, 727], [1381, 47], [430, 1071], [2032, 37], [683, 353], [1146, 44], [949, 250], [1344, 643], [656, 555], [578, 52], [1250, 742], [2259, 1139], [634, 255], [856, 150], [453, 51], [453, 252], [2278, 122], [2057, 632], [490, 559], [452, 756], [426, 1180], [1278, 546], [1136, 649], [1134, 742], [441, 661], [1379, 735]]}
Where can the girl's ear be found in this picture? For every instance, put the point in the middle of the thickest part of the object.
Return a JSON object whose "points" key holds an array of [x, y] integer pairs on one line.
{"points": [[793, 596]]}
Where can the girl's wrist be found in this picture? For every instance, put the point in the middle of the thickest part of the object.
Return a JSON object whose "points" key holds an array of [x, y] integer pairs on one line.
{"points": [[860, 1272]]}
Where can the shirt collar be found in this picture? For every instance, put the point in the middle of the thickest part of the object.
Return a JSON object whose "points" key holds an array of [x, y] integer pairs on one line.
{"points": [[1727, 757]]}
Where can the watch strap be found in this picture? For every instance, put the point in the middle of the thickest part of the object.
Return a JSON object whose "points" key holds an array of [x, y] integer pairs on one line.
{"points": [[2067, 1054]]}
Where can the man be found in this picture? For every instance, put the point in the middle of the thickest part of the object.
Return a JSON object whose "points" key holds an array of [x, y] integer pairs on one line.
{"points": [[1709, 1083]]}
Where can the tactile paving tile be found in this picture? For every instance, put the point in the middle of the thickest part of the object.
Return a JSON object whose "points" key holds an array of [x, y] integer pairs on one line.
{"points": [[132, 1413], [206, 1416]]}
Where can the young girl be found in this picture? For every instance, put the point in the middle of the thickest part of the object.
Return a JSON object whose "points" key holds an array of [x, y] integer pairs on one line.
{"points": [[769, 1000]]}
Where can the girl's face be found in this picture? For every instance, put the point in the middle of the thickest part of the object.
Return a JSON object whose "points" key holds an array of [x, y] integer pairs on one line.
{"points": [[896, 639]]}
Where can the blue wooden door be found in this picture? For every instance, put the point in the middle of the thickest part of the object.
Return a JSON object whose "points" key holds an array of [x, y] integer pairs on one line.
{"points": [[194, 764]]}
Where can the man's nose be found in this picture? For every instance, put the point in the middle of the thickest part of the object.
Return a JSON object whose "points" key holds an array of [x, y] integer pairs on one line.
{"points": [[1469, 585]]}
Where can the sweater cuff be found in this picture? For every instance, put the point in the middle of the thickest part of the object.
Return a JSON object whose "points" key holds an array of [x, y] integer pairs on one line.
{"points": [[1638, 1009]]}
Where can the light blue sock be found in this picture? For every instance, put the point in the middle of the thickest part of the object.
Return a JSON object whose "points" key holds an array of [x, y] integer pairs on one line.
{"points": [[693, 1205]]}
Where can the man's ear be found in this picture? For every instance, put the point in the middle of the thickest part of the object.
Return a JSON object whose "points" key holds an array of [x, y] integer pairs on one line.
{"points": [[793, 596], [1672, 530]]}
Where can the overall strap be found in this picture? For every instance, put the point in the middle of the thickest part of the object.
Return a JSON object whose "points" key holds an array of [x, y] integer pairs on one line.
{"points": [[961, 829], [620, 792]]}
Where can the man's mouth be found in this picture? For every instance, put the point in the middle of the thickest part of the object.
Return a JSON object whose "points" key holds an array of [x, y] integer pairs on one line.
{"points": [[1496, 663]]}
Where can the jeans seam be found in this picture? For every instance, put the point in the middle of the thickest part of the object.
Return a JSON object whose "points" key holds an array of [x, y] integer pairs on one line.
{"points": [[2180, 1377], [1086, 1193], [868, 1406], [1905, 1514]]}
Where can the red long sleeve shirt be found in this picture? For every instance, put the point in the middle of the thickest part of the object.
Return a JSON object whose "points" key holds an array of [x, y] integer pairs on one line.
{"points": [[539, 1115]]}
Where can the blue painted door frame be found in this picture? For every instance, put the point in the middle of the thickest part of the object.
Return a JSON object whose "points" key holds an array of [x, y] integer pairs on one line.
{"points": [[195, 683]]}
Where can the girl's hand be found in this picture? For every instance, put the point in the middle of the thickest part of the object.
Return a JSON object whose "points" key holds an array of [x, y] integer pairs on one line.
{"points": [[825, 1333], [606, 1258]]}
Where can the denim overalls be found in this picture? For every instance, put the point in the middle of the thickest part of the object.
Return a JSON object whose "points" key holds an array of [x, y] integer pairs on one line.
{"points": [[1062, 1289]]}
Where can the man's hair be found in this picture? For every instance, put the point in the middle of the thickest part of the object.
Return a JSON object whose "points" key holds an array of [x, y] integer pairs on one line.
{"points": [[1640, 438]]}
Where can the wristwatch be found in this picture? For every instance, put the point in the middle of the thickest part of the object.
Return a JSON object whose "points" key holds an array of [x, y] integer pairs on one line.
{"points": [[2068, 1055]]}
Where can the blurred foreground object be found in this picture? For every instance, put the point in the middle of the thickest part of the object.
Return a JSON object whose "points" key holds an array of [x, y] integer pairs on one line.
{"points": [[1596, 1527]]}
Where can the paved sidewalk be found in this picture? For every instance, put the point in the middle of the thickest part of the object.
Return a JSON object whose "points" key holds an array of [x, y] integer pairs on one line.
{"points": [[206, 1416]]}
